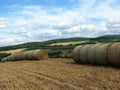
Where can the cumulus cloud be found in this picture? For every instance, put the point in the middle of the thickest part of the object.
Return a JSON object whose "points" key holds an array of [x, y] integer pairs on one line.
{"points": [[17, 30], [11, 41], [3, 22], [113, 24], [82, 27], [50, 32], [38, 22], [6, 41], [20, 31]]}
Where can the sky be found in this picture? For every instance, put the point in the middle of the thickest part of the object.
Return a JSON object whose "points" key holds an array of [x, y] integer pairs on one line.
{"points": [[24, 21]]}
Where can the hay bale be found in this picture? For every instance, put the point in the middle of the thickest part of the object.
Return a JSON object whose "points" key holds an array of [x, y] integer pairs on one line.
{"points": [[43, 55], [114, 54], [16, 56], [28, 55], [40, 54], [36, 54], [91, 54], [13, 58], [83, 53], [4, 60], [9, 58], [75, 53], [20, 56], [101, 54]]}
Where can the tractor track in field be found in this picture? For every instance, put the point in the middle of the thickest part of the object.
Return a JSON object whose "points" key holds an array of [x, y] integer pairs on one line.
{"points": [[39, 76], [16, 81], [57, 74]]}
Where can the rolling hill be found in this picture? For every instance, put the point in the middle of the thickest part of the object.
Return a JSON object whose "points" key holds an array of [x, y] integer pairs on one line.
{"points": [[79, 40], [59, 47]]}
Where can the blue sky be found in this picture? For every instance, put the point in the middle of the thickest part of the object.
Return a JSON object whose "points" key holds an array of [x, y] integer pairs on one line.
{"points": [[38, 20]]}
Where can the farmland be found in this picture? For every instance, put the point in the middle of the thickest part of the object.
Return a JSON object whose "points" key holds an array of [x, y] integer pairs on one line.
{"points": [[57, 74], [59, 46]]}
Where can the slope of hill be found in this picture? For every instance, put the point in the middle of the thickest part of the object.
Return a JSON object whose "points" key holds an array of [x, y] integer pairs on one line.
{"points": [[46, 44], [61, 47]]}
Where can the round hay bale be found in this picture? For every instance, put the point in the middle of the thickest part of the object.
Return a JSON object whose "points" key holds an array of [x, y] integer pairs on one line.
{"points": [[40, 54], [98, 54], [101, 54], [21, 56], [43, 54], [91, 53], [9, 58], [83, 53], [27, 55], [35, 54], [75, 54], [114, 54], [4, 59], [15, 57], [12, 58]]}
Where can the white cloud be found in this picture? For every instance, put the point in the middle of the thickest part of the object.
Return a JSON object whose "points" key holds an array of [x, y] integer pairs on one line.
{"points": [[88, 30], [113, 24], [3, 25], [36, 14], [82, 27], [20, 31], [12, 41], [35, 20], [17, 30], [16, 39], [3, 22], [50, 33], [6, 40]]}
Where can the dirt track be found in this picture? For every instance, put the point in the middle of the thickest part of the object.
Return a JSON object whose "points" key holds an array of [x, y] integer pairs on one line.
{"points": [[57, 74]]}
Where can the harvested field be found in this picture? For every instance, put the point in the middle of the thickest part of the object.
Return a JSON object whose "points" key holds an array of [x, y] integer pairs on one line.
{"points": [[62, 43], [13, 51], [57, 74]]}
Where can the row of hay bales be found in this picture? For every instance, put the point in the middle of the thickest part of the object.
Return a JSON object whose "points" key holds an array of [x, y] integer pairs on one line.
{"points": [[27, 55], [102, 54]]}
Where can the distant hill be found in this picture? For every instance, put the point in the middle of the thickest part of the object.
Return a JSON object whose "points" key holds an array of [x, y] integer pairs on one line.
{"points": [[45, 44], [110, 36]]}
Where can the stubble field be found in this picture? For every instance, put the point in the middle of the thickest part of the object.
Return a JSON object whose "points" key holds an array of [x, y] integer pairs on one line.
{"points": [[57, 74]]}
